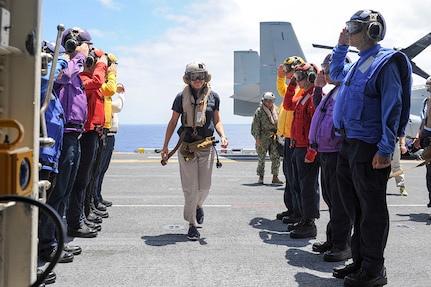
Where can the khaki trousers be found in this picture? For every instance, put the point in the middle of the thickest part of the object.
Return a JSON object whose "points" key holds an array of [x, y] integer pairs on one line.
{"points": [[396, 165], [195, 180]]}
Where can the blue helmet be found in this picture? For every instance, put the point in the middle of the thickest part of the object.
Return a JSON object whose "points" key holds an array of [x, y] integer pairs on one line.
{"points": [[372, 20], [49, 47]]}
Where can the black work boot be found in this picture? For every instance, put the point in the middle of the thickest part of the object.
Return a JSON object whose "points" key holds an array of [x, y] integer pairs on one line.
{"points": [[308, 229], [294, 226]]}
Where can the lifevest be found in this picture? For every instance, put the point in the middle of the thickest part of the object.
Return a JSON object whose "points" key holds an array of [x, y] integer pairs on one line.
{"points": [[322, 131], [358, 94], [302, 115], [194, 108]]}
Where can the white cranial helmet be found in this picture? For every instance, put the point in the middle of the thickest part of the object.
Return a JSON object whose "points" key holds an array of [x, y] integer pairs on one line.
{"points": [[268, 96]]}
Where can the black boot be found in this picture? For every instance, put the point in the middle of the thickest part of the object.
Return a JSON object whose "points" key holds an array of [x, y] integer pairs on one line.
{"points": [[294, 226], [308, 229]]}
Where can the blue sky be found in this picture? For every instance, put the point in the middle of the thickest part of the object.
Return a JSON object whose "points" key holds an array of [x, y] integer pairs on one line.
{"points": [[153, 40]]}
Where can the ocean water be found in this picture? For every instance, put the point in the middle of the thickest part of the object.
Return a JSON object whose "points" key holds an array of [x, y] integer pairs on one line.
{"points": [[131, 137]]}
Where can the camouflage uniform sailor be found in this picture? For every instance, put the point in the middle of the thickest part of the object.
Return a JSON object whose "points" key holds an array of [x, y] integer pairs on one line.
{"points": [[263, 129]]}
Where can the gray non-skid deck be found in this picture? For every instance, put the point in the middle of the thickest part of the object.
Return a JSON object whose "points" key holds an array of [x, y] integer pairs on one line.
{"points": [[143, 241]]}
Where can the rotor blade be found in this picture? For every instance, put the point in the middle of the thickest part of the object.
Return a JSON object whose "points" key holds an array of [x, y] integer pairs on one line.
{"points": [[322, 46], [330, 47], [417, 47], [418, 71]]}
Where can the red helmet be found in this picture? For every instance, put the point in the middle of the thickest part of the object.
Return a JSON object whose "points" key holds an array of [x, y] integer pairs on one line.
{"points": [[306, 71]]}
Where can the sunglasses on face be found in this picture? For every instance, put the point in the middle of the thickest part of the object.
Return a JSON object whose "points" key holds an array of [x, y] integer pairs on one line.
{"points": [[197, 76], [355, 26]]}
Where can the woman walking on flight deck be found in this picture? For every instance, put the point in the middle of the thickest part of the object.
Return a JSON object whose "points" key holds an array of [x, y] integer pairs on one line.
{"points": [[198, 107]]}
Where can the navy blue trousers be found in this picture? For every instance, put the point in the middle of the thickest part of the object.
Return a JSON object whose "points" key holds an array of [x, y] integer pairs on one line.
{"points": [[305, 183], [363, 193], [59, 196], [75, 212], [338, 229], [291, 199]]}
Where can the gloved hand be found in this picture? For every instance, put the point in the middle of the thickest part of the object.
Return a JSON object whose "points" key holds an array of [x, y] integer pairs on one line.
{"points": [[310, 156]]}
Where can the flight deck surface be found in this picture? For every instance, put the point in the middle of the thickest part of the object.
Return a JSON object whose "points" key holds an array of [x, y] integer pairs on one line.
{"points": [[143, 242]]}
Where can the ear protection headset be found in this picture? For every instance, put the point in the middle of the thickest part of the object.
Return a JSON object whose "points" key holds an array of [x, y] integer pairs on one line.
{"points": [[374, 21], [374, 28], [93, 55], [310, 70]]}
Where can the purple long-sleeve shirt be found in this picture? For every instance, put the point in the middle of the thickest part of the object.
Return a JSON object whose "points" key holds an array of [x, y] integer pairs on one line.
{"points": [[71, 92]]}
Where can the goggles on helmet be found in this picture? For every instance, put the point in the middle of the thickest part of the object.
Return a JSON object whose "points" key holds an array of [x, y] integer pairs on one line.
{"points": [[286, 68], [300, 75], [355, 26], [197, 76]]}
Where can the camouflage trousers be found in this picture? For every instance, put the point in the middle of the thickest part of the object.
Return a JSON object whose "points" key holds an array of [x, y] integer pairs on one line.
{"points": [[268, 146]]}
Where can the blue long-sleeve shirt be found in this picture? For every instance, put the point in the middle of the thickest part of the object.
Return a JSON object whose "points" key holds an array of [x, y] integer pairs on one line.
{"points": [[374, 99]]}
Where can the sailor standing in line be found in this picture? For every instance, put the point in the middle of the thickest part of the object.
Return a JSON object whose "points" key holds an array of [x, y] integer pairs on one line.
{"points": [[371, 110], [291, 201]]}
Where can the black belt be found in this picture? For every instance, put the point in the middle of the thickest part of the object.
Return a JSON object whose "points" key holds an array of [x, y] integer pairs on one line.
{"points": [[76, 126]]}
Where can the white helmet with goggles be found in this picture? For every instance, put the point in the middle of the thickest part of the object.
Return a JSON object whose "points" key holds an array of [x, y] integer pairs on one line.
{"points": [[196, 71]]}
